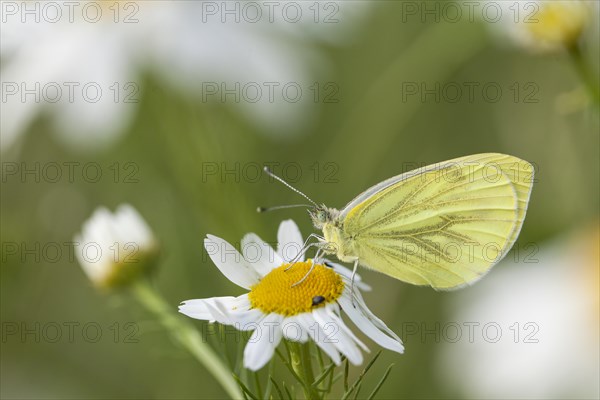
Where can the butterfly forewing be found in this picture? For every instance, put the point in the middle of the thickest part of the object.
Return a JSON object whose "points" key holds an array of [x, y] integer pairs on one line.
{"points": [[443, 225]]}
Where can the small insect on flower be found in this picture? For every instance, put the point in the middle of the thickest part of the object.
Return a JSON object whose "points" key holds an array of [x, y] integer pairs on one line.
{"points": [[276, 307], [317, 300]]}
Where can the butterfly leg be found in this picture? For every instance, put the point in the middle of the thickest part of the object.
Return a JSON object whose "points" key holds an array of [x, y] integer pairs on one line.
{"points": [[304, 248], [297, 258], [312, 267], [352, 281]]}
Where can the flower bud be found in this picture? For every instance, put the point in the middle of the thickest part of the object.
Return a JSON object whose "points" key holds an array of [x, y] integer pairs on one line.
{"points": [[115, 249]]}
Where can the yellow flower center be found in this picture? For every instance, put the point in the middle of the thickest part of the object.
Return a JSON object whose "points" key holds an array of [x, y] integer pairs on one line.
{"points": [[275, 293]]}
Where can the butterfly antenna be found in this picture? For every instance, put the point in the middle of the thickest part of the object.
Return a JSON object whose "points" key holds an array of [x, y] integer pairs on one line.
{"points": [[272, 175], [267, 209]]}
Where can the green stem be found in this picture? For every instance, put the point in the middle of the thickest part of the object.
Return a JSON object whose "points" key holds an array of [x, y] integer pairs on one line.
{"points": [[588, 77], [302, 365], [186, 335]]}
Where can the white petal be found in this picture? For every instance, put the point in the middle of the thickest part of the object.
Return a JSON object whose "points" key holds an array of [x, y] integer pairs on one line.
{"points": [[315, 332], [246, 321], [368, 327], [133, 227], [293, 330], [196, 309], [225, 306], [289, 240], [335, 334], [212, 305], [230, 262], [240, 313], [369, 314], [263, 342], [94, 245], [260, 254], [333, 312], [347, 274], [96, 271]]}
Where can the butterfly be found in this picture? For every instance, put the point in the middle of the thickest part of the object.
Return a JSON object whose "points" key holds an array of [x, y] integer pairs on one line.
{"points": [[444, 225]]}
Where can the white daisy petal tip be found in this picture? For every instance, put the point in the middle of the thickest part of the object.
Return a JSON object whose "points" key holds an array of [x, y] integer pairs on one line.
{"points": [[289, 240], [230, 262], [263, 342], [259, 254]]}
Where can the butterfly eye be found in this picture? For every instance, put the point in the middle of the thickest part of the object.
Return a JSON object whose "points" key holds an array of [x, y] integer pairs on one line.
{"points": [[317, 300]]}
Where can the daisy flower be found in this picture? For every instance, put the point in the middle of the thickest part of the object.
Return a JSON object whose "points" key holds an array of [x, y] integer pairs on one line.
{"points": [[275, 308], [544, 26], [114, 249], [85, 72]]}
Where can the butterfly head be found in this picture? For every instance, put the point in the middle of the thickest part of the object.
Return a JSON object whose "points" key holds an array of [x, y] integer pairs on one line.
{"points": [[322, 215]]}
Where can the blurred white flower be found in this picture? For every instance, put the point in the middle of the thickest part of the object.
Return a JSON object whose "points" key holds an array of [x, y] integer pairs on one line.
{"points": [[275, 309], [542, 316], [114, 249], [83, 68], [543, 25]]}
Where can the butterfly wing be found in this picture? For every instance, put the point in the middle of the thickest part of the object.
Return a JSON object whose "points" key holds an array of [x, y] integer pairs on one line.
{"points": [[444, 225]]}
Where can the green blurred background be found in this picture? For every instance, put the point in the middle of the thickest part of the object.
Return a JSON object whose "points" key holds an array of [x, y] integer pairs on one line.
{"points": [[370, 134]]}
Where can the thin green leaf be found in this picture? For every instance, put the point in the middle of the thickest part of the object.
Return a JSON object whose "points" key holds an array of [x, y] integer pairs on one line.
{"points": [[337, 377], [239, 358], [327, 387], [276, 386], [346, 369], [381, 381], [320, 357], [289, 367], [244, 388], [361, 376], [287, 391], [269, 384], [324, 374], [257, 385], [357, 390], [332, 379]]}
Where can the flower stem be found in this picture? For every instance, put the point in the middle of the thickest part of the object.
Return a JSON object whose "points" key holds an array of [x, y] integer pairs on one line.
{"points": [[586, 74], [186, 335], [302, 365]]}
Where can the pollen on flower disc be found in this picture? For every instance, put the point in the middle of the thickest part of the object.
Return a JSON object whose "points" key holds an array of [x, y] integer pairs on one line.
{"points": [[275, 293]]}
